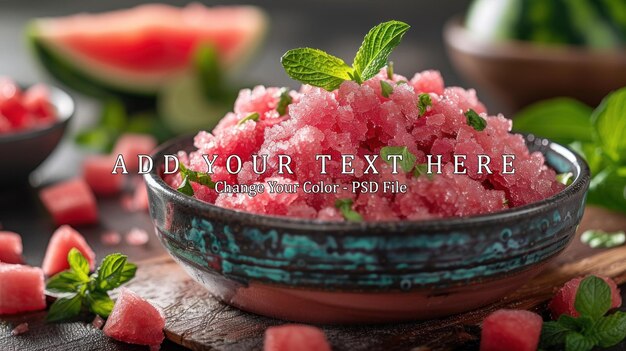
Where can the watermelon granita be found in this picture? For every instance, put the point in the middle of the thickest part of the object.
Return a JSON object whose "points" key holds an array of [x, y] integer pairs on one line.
{"points": [[511, 330], [361, 119], [564, 299], [21, 289]]}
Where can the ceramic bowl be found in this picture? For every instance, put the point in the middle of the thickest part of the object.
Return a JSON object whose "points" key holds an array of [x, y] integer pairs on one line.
{"points": [[518, 73], [23, 151], [369, 272]]}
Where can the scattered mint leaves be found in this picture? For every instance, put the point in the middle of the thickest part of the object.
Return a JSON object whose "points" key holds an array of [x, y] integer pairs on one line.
{"points": [[386, 88], [283, 101], [475, 121], [565, 178], [193, 176], [422, 169], [423, 101], [81, 290], [602, 239], [345, 207], [320, 69], [407, 161], [251, 117], [593, 328], [316, 67]]}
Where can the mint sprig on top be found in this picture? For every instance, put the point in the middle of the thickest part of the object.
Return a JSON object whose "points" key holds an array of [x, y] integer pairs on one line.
{"points": [[321, 69]]}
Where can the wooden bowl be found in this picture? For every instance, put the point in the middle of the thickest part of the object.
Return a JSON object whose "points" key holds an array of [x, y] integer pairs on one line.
{"points": [[369, 272], [519, 73]]}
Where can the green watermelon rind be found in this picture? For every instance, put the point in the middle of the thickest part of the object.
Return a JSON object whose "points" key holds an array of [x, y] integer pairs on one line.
{"points": [[103, 83]]}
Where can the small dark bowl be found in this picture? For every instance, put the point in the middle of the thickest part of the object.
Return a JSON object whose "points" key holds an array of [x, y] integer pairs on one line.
{"points": [[23, 151], [370, 272]]}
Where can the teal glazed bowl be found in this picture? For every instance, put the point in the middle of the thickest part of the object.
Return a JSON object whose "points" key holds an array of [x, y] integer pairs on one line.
{"points": [[369, 272]]}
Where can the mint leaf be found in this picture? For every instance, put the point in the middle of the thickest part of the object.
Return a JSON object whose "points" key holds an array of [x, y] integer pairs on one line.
{"points": [[64, 308], [196, 177], [608, 189], [185, 187], [578, 342], [79, 264], [475, 121], [109, 273], [64, 282], [376, 47], [610, 125], [284, 101], [610, 330], [345, 207], [99, 303], [565, 178], [128, 273], [600, 238], [423, 101], [114, 115], [407, 162], [593, 298], [563, 120], [422, 169], [385, 88], [553, 334], [251, 117], [316, 67], [209, 72]]}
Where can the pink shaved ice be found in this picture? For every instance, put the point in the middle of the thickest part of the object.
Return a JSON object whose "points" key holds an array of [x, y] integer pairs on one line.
{"points": [[358, 119]]}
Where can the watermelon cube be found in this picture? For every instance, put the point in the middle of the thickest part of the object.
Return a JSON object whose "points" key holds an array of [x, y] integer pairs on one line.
{"points": [[511, 330], [10, 247], [62, 241], [71, 202], [563, 300], [131, 145], [21, 289], [97, 173], [295, 337], [37, 101], [135, 321]]}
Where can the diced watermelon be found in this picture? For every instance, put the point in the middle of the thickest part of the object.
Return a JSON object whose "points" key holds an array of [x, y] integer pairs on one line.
{"points": [[21, 289], [135, 321], [97, 173], [10, 247], [62, 241], [37, 101], [70, 202], [511, 330], [131, 145], [563, 300], [11, 105], [295, 337]]}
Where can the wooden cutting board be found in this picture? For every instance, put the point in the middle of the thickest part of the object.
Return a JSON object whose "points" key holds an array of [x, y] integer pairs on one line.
{"points": [[198, 321]]}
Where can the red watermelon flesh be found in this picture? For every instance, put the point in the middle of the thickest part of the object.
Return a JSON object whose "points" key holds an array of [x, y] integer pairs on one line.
{"points": [[21, 289], [62, 241], [70, 202], [295, 337], [135, 321], [97, 173], [10, 247], [131, 145], [511, 330], [150, 43], [563, 300]]}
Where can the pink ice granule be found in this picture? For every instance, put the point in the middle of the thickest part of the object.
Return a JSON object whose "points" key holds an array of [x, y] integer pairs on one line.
{"points": [[137, 237], [20, 329], [97, 322], [358, 119], [110, 238]]}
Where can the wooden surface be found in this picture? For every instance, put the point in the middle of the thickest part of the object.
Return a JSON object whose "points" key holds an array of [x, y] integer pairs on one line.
{"points": [[199, 322]]}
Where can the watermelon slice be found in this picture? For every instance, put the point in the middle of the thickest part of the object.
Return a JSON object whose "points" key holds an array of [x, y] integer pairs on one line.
{"points": [[97, 173], [131, 145], [135, 321], [136, 51], [295, 337], [21, 289], [511, 330], [70, 202], [563, 300], [62, 241], [10, 247]]}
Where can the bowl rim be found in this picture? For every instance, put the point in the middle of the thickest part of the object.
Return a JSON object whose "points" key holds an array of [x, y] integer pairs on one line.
{"points": [[56, 94], [580, 184], [457, 36]]}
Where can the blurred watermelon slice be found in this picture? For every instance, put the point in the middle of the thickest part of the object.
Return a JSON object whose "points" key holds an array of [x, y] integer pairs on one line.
{"points": [[137, 51]]}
